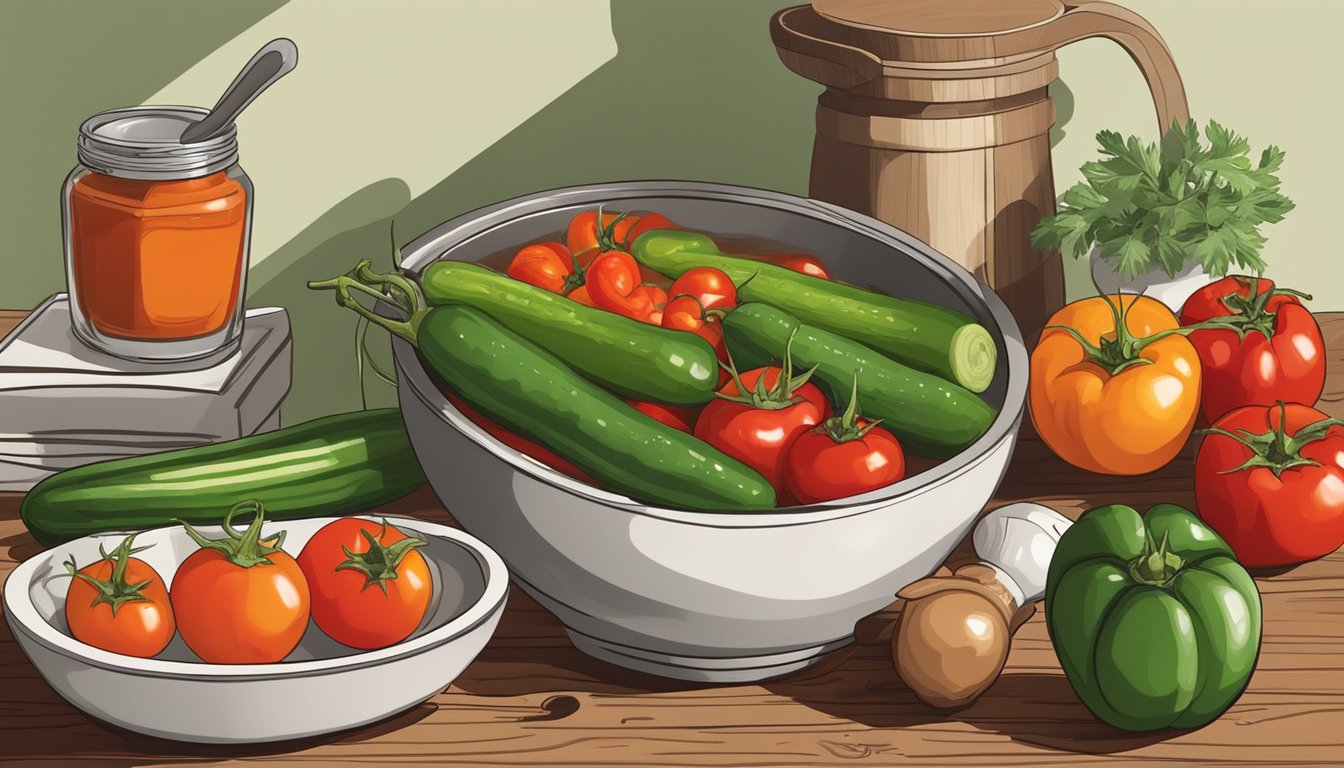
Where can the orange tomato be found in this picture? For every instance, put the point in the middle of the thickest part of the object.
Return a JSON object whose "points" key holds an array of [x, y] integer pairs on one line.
{"points": [[119, 604], [1116, 406], [239, 600], [370, 587]]}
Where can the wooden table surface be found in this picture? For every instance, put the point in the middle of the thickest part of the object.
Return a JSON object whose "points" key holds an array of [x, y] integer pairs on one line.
{"points": [[532, 699]]}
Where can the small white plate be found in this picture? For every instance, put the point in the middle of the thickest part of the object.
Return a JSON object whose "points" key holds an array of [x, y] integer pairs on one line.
{"points": [[321, 687]]}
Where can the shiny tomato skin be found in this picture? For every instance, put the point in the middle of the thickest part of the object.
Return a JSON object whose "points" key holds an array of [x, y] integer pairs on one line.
{"points": [[820, 469], [808, 265], [648, 301], [1272, 521], [228, 614], [580, 295], [1289, 365], [671, 415], [582, 235], [347, 610], [610, 280], [140, 628], [545, 265], [711, 287], [756, 437]]}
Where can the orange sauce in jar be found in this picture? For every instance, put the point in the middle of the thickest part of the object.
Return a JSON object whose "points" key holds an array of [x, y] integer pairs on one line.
{"points": [[158, 259]]}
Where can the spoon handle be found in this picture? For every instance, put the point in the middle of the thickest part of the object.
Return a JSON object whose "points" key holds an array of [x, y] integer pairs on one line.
{"points": [[275, 60]]}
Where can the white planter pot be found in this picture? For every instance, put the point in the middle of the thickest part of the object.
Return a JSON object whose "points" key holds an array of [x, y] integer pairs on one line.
{"points": [[1172, 291]]}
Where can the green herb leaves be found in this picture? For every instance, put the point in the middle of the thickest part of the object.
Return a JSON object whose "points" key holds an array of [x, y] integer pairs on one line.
{"points": [[1150, 206]]}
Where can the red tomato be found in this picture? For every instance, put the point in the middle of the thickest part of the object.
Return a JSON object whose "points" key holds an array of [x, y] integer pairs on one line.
{"points": [[677, 418], [711, 287], [119, 604], [651, 300], [520, 444], [545, 265], [808, 265], [587, 240], [1274, 492], [239, 600], [757, 428], [684, 313], [844, 456], [370, 587], [1280, 355], [580, 295], [646, 223]]}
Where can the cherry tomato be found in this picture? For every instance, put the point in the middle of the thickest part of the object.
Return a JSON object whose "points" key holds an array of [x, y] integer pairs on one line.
{"points": [[519, 443], [240, 600], [1278, 355], [684, 313], [587, 240], [843, 456], [671, 415], [1270, 481], [646, 223], [580, 295], [808, 265], [545, 265], [119, 604], [757, 428], [370, 587], [652, 299], [711, 287]]}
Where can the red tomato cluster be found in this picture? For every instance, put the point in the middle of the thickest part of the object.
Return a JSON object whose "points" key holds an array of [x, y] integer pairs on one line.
{"points": [[1269, 475], [244, 600]]}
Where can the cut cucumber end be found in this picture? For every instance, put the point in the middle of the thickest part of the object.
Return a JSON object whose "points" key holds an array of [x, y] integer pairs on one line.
{"points": [[973, 356]]}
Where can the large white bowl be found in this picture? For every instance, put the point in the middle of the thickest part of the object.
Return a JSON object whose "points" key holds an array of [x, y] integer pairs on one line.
{"points": [[704, 596], [321, 687]]}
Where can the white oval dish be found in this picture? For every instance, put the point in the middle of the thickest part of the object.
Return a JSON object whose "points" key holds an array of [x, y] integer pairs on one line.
{"points": [[321, 687]]}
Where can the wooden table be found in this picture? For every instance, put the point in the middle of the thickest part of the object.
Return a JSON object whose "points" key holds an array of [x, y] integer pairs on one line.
{"points": [[531, 699]]}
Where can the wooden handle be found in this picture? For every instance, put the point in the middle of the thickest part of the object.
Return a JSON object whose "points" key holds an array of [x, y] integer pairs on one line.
{"points": [[825, 61], [1083, 19]]}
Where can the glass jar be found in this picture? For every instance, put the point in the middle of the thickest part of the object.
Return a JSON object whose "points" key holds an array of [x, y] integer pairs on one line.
{"points": [[156, 236]]}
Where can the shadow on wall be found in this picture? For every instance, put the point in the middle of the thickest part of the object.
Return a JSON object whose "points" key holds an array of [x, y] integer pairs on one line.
{"points": [[109, 55], [695, 91]]}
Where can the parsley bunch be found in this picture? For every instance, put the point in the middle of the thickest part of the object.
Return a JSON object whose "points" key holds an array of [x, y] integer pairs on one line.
{"points": [[1146, 206]]}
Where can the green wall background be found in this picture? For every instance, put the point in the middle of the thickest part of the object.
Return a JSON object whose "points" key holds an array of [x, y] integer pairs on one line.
{"points": [[414, 111]]}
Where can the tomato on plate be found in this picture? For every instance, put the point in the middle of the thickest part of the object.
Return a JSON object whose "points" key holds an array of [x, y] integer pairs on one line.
{"points": [[757, 415], [808, 265], [545, 265], [685, 313], [671, 415], [370, 588], [119, 603], [1273, 349], [1270, 481], [240, 600], [843, 456], [712, 288]]}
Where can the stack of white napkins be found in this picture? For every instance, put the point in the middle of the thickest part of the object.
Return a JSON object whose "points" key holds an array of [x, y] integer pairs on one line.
{"points": [[63, 404]]}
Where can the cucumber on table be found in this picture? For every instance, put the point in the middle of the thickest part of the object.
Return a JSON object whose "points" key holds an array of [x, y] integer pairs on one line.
{"points": [[927, 336], [634, 359], [932, 417], [336, 465], [527, 390]]}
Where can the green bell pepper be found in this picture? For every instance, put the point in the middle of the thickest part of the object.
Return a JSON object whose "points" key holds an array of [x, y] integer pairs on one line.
{"points": [[1154, 622]]}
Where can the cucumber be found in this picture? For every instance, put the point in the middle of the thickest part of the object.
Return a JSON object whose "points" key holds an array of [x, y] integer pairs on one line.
{"points": [[523, 388], [931, 416], [336, 465], [927, 336], [634, 359]]}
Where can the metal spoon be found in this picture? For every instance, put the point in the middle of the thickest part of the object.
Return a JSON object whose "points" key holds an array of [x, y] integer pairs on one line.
{"points": [[275, 60]]}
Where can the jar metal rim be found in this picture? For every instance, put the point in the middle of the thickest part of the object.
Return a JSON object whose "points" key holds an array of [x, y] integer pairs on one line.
{"points": [[153, 159]]}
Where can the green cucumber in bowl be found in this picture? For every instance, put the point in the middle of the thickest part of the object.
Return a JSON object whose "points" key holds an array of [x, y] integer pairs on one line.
{"points": [[527, 390], [336, 465], [926, 336], [631, 358], [932, 417]]}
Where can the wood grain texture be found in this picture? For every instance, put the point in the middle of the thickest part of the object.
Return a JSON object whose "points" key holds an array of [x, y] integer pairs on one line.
{"points": [[530, 699]]}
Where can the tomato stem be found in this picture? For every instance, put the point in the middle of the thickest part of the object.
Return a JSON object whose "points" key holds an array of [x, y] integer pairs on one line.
{"points": [[1276, 450], [378, 564], [780, 395], [1123, 349], [244, 549], [1248, 313], [845, 427], [114, 590]]}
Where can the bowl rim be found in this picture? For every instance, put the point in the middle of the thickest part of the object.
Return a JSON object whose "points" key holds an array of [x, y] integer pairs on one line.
{"points": [[24, 618], [441, 239]]}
